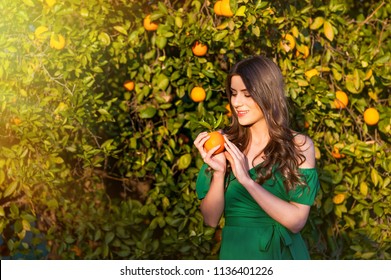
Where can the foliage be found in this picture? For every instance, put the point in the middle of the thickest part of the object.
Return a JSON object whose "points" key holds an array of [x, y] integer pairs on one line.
{"points": [[99, 172]]}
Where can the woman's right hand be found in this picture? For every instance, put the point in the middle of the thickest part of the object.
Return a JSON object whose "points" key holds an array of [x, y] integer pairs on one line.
{"points": [[217, 162]]}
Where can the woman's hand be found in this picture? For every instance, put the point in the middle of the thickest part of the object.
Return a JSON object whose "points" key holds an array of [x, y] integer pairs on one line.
{"points": [[238, 161], [217, 162]]}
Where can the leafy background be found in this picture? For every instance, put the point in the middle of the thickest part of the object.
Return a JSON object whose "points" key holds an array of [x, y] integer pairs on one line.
{"points": [[89, 170]]}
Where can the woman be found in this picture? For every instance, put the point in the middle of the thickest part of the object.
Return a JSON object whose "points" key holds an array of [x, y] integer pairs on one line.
{"points": [[265, 181]]}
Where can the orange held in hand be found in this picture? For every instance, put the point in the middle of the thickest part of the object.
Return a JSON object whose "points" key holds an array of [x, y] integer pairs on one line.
{"points": [[216, 138]]}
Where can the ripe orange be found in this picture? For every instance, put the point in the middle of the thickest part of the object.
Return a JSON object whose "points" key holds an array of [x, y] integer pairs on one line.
{"points": [[290, 44], [226, 8], [335, 153], [16, 121], [229, 113], [129, 85], [338, 198], [199, 49], [198, 94], [371, 116], [57, 41], [341, 99], [216, 138], [217, 8], [149, 25]]}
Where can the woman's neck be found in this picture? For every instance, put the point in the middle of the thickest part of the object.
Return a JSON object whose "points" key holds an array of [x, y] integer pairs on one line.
{"points": [[258, 141]]}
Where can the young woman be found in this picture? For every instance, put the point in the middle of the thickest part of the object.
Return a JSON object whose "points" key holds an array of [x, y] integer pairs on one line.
{"points": [[265, 181]]}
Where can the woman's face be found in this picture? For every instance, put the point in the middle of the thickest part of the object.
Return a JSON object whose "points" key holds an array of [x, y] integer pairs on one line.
{"points": [[247, 110]]}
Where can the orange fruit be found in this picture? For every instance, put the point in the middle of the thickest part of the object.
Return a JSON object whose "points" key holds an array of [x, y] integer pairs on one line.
{"points": [[199, 49], [371, 116], [41, 32], [229, 113], [198, 94], [288, 43], [149, 25], [217, 8], [338, 198], [226, 8], [216, 138], [341, 99], [335, 153], [57, 41], [129, 85], [16, 121]]}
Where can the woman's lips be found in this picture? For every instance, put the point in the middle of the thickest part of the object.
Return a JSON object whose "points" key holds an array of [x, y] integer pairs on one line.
{"points": [[241, 113]]}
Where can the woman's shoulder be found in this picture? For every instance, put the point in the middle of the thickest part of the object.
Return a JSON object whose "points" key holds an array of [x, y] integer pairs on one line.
{"points": [[306, 148]]}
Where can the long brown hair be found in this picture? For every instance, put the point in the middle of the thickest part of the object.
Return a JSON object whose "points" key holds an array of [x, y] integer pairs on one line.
{"points": [[264, 82]]}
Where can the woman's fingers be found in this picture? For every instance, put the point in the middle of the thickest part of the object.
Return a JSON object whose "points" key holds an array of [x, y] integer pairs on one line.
{"points": [[200, 141], [232, 149], [211, 152]]}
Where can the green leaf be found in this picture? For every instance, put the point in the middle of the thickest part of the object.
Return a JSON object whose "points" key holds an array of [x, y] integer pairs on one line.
{"points": [[29, 3], [2, 176], [241, 11], [221, 35], [109, 237], [374, 176], [184, 161], [121, 29], [163, 82], [317, 23], [10, 189], [104, 38], [161, 42], [383, 59], [148, 113], [206, 125]]}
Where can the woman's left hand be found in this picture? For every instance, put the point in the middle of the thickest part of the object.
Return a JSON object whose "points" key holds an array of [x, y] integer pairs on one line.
{"points": [[238, 161]]}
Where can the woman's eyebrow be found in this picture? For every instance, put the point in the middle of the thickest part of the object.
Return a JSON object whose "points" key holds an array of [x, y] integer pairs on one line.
{"points": [[232, 89]]}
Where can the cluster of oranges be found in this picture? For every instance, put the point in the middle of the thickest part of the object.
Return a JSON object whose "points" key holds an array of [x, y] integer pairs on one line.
{"points": [[371, 115]]}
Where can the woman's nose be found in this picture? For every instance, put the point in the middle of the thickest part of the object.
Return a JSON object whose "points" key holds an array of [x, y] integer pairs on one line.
{"points": [[236, 101]]}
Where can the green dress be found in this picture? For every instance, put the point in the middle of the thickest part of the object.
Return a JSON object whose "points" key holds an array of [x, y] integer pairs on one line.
{"points": [[249, 232]]}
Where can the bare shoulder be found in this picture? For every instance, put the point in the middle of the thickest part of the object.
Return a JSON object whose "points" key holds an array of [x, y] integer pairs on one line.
{"points": [[306, 147]]}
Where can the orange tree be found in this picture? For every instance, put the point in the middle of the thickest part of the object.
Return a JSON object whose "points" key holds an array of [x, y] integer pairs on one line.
{"points": [[96, 120]]}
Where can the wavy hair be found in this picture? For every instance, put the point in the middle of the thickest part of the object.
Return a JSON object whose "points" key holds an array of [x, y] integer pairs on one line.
{"points": [[264, 82]]}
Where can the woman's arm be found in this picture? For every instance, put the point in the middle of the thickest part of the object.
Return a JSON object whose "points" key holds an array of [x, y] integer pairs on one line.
{"points": [[291, 215], [212, 205]]}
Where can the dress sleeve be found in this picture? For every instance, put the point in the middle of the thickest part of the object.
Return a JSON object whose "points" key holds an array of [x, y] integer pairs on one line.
{"points": [[203, 181], [306, 195]]}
